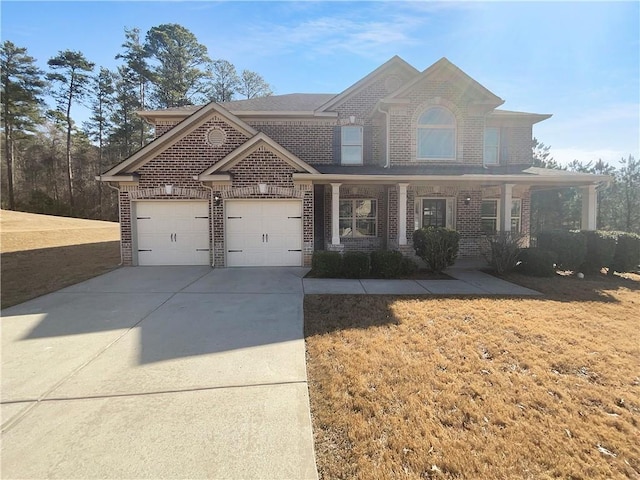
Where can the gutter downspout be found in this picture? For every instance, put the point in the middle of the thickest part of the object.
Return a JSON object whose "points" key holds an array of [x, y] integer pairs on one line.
{"points": [[387, 163], [119, 218]]}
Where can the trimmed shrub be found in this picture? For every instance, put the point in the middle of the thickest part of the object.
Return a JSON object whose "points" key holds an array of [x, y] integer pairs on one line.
{"points": [[386, 263], [326, 264], [407, 267], [438, 247], [627, 255], [570, 247], [503, 250], [601, 247], [536, 262], [355, 265]]}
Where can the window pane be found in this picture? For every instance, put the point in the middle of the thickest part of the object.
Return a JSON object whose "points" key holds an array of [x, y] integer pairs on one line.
{"points": [[437, 116], [365, 228], [436, 142], [351, 155], [434, 213], [489, 208], [515, 225], [345, 227], [345, 208], [351, 135], [491, 136], [515, 208], [365, 208], [489, 225]]}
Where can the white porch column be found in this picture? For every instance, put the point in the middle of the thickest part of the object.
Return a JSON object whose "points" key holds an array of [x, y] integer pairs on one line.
{"points": [[402, 213], [589, 207], [506, 197], [335, 213]]}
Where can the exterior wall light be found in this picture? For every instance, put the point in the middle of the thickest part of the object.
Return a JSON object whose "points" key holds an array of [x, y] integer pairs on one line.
{"points": [[467, 200]]}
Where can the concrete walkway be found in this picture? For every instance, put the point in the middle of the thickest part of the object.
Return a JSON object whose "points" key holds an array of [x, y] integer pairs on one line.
{"points": [[159, 372], [466, 281]]}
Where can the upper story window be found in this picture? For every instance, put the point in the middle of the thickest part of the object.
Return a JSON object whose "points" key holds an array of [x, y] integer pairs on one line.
{"points": [[436, 136], [351, 149], [491, 146]]}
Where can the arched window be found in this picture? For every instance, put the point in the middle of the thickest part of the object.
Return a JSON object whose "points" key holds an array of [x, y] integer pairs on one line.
{"points": [[436, 134]]}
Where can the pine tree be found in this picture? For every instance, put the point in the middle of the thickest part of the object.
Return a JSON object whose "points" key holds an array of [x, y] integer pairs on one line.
{"points": [[71, 77], [137, 70], [99, 124], [22, 87], [178, 65]]}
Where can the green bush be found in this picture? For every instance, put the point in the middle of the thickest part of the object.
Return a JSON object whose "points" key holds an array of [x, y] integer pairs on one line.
{"points": [[627, 255], [570, 247], [407, 267], [537, 262], [386, 263], [326, 264], [502, 251], [355, 265], [601, 247], [438, 247]]}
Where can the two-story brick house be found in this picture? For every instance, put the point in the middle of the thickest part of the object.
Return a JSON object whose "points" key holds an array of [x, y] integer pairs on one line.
{"points": [[267, 181]]}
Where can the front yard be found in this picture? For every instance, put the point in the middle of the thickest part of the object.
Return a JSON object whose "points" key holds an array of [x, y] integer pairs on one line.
{"points": [[495, 388]]}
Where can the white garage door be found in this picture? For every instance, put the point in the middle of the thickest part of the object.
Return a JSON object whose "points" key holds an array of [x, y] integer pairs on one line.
{"points": [[172, 232], [263, 233]]}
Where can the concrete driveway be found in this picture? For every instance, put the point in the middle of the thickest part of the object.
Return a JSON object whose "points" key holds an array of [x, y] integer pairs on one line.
{"points": [[159, 372]]}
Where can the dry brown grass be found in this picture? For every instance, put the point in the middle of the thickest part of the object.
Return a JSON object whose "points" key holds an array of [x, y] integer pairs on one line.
{"points": [[43, 253], [478, 388]]}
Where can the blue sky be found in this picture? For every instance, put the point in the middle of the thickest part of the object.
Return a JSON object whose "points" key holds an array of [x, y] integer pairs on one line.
{"points": [[579, 61]]}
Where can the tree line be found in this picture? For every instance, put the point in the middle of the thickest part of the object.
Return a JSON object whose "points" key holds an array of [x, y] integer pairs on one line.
{"points": [[49, 162], [561, 208]]}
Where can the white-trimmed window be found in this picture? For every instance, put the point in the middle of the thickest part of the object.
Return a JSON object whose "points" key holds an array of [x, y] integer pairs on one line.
{"points": [[516, 215], [490, 215], [491, 146], [434, 212], [358, 218], [351, 153], [436, 135]]}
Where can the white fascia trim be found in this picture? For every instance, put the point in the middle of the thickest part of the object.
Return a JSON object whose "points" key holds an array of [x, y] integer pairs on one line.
{"points": [[471, 178]]}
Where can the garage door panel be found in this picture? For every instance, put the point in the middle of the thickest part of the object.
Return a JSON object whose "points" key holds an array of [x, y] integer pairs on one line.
{"points": [[172, 232], [264, 233]]}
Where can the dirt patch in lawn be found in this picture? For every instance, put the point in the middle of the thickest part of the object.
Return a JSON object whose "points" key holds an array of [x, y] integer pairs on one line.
{"points": [[500, 388], [42, 253]]}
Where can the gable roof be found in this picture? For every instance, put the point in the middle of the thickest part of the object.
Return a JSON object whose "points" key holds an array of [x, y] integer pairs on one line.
{"points": [[293, 102], [172, 136], [249, 147], [394, 61], [290, 103], [444, 65]]}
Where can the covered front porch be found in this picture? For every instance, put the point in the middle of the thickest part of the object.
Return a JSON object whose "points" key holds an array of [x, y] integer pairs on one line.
{"points": [[376, 212]]}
